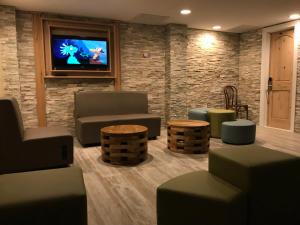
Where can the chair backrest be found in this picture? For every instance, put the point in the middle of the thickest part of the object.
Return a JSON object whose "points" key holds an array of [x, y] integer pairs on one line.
{"points": [[11, 123], [97, 103], [231, 96]]}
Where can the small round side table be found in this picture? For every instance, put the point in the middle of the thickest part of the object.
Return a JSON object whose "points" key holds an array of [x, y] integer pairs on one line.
{"points": [[124, 144], [188, 136]]}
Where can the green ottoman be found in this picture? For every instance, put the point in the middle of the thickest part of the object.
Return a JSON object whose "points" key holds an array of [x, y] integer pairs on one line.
{"points": [[198, 114], [200, 198], [270, 178], [216, 118], [238, 132], [46, 197]]}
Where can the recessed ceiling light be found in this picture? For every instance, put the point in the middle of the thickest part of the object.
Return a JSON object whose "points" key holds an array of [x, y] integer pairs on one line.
{"points": [[185, 11], [217, 27], [294, 16]]}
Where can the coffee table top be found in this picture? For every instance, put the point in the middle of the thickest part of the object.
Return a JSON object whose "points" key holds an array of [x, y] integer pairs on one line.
{"points": [[188, 123], [124, 129]]}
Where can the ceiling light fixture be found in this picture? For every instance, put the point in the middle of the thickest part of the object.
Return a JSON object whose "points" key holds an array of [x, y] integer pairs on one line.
{"points": [[294, 16], [185, 11], [217, 27]]}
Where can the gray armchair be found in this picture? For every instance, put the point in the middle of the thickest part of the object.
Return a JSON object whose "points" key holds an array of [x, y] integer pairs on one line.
{"points": [[30, 149]]}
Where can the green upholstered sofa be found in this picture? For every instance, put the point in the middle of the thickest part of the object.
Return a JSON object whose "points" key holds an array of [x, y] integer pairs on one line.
{"points": [[200, 198], [245, 185], [45, 197], [30, 149], [270, 179], [97, 109]]}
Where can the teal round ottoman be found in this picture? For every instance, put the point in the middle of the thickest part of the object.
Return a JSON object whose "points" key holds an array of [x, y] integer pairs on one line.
{"points": [[238, 132], [198, 114]]}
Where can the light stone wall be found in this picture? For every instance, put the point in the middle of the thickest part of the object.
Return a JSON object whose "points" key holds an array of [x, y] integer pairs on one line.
{"points": [[18, 73], [2, 93], [250, 71], [163, 73], [212, 63], [143, 63], [26, 63], [9, 58], [176, 73], [60, 98], [297, 109]]}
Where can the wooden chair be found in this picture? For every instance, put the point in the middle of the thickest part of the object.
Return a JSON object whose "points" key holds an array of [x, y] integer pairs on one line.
{"points": [[231, 101]]}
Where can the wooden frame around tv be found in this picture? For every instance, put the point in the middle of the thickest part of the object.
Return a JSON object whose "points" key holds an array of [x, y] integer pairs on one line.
{"points": [[51, 27], [44, 27]]}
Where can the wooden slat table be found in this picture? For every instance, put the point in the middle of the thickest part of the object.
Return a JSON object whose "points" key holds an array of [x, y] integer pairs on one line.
{"points": [[124, 144], [188, 136]]}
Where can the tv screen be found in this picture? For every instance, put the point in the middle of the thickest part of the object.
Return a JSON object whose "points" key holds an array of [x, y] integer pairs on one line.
{"points": [[82, 53]]}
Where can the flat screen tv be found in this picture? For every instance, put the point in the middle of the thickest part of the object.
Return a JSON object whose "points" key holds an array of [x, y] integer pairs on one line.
{"points": [[79, 53]]}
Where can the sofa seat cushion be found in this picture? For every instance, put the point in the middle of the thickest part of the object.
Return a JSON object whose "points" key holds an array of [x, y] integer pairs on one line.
{"points": [[55, 196], [270, 178], [200, 198], [46, 132], [52, 146], [248, 166], [88, 128]]}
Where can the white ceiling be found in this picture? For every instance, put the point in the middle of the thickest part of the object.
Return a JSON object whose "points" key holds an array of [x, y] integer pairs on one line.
{"points": [[232, 15]]}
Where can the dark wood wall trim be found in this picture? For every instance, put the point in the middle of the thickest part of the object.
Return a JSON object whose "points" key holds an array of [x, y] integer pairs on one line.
{"points": [[41, 36], [37, 30], [117, 58]]}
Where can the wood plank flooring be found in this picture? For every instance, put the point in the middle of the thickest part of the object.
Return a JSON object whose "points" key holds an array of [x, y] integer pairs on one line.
{"points": [[120, 195]]}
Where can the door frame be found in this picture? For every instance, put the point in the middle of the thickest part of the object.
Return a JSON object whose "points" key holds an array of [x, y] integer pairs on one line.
{"points": [[265, 61]]}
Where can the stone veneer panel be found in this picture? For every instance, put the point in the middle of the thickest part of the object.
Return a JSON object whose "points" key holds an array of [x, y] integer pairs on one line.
{"points": [[297, 109], [212, 63], [176, 73], [60, 98], [1, 75], [142, 72], [26, 69], [250, 71], [9, 57]]}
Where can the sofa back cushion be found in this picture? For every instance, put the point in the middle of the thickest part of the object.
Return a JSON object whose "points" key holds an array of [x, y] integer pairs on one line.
{"points": [[11, 129], [11, 122], [94, 103]]}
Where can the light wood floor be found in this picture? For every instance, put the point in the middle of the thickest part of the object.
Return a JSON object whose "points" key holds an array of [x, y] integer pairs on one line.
{"points": [[119, 195]]}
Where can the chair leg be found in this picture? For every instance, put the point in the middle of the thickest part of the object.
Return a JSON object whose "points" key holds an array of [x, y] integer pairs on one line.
{"points": [[247, 113]]}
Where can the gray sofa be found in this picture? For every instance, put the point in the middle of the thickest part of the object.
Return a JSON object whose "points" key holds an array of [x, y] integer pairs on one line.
{"points": [[96, 109], [48, 197], [30, 149], [245, 185]]}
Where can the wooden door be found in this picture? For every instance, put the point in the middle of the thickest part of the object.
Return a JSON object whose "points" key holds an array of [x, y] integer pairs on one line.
{"points": [[280, 80]]}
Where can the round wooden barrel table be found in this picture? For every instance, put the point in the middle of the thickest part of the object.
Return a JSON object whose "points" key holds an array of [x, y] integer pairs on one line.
{"points": [[124, 144], [188, 136]]}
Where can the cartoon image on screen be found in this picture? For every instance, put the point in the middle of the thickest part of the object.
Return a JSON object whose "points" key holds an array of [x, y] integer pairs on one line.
{"points": [[82, 53], [69, 50]]}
